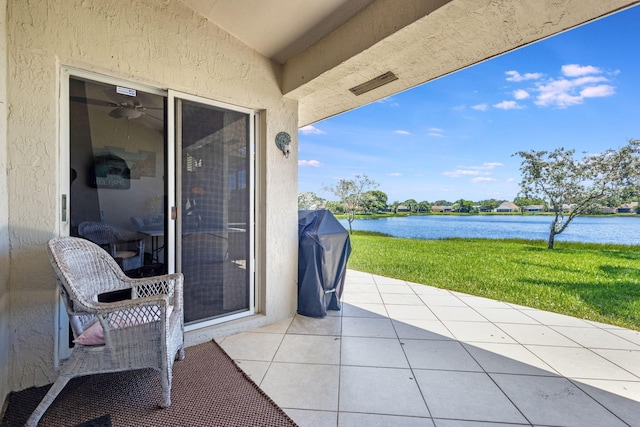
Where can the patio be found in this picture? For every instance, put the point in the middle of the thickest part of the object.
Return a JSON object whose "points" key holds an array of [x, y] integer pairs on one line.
{"points": [[404, 354]]}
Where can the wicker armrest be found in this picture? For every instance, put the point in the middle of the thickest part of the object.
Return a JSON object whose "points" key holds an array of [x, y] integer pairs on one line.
{"points": [[168, 284], [104, 308], [121, 314]]}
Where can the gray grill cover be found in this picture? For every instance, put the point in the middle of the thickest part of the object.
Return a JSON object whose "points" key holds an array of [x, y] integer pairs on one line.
{"points": [[324, 249]]}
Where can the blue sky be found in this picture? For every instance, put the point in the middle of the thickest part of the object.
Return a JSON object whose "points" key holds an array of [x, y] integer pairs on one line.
{"points": [[454, 137]]}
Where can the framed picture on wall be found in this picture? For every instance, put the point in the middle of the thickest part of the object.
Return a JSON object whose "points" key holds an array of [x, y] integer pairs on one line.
{"points": [[110, 171]]}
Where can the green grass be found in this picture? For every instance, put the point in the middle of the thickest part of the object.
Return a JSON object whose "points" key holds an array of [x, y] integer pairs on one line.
{"points": [[590, 281]]}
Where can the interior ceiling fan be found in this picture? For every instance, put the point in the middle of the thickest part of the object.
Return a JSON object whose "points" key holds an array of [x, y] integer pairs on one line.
{"points": [[122, 108]]}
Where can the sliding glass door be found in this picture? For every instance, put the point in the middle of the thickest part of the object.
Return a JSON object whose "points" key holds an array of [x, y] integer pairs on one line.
{"points": [[214, 144], [164, 183]]}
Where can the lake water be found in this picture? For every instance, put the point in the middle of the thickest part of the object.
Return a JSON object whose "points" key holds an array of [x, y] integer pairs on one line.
{"points": [[610, 229]]}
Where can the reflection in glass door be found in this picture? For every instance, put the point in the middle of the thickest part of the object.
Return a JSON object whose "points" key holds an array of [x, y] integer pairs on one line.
{"points": [[117, 151], [214, 218]]}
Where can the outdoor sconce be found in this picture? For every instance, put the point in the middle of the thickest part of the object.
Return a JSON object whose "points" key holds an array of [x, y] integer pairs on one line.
{"points": [[283, 139]]}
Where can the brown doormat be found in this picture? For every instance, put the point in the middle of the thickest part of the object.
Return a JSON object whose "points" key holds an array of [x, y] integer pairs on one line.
{"points": [[208, 389], [103, 421]]}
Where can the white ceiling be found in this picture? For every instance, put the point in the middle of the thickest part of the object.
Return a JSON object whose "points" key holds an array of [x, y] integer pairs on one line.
{"points": [[278, 29]]}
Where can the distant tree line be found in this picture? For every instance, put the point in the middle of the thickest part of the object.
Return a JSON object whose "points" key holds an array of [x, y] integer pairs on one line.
{"points": [[553, 181], [376, 201]]}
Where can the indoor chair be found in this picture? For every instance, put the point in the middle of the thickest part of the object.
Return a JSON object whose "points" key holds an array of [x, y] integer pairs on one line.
{"points": [[129, 254]]}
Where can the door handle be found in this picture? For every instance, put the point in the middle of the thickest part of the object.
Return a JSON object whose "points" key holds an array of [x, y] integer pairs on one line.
{"points": [[63, 213], [174, 213]]}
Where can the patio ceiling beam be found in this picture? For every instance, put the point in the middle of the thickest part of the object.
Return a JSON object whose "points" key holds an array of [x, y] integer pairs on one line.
{"points": [[419, 42], [375, 23]]}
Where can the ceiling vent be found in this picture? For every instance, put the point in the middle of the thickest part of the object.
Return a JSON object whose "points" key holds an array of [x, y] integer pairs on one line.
{"points": [[376, 82]]}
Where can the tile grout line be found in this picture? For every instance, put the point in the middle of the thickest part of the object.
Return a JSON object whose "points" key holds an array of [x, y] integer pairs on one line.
{"points": [[413, 374], [340, 363]]}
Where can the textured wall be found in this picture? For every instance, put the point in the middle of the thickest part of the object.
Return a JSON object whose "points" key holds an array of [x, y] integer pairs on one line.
{"points": [[157, 42], [4, 215]]}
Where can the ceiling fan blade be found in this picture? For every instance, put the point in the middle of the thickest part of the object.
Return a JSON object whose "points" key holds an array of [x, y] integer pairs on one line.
{"points": [[154, 117], [91, 101]]}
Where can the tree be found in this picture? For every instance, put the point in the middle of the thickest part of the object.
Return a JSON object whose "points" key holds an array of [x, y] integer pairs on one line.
{"points": [[352, 194], [523, 202], [442, 203], [375, 201], [309, 200], [580, 185], [335, 207], [424, 206], [489, 204], [411, 204], [462, 206]]}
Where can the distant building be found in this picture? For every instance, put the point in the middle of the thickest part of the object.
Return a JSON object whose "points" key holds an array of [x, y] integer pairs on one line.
{"points": [[534, 208], [627, 208], [436, 208], [507, 207]]}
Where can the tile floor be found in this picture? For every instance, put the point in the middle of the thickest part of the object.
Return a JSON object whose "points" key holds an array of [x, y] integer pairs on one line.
{"points": [[403, 354]]}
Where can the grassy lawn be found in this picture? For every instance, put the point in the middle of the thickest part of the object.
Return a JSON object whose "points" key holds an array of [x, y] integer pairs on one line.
{"points": [[590, 281]]}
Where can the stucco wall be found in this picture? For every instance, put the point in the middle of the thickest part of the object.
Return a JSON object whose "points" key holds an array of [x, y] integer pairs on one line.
{"points": [[156, 42], [4, 215]]}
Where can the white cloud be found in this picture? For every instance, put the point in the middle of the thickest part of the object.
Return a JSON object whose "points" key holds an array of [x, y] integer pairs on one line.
{"points": [[515, 76], [313, 163], [511, 179], [436, 132], [575, 70], [394, 174], [565, 92], [402, 132], [575, 84], [597, 91], [508, 105], [480, 107], [483, 169], [310, 130], [557, 92], [460, 172], [588, 80], [483, 179], [487, 166]]}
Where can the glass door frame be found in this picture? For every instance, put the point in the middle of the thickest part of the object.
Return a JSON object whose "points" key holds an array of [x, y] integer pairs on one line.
{"points": [[175, 171]]}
